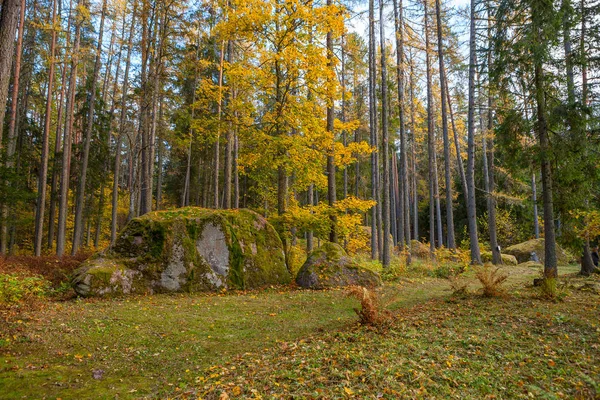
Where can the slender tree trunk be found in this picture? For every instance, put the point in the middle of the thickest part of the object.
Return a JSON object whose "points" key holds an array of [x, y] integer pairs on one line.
{"points": [[227, 175], [550, 261], [430, 137], [160, 150], [489, 157], [436, 195], [373, 130], [43, 175], [236, 174], [91, 100], [344, 132], [385, 148], [331, 189], [451, 241], [217, 144], [67, 141], [471, 205], [122, 120], [415, 197], [404, 202], [459, 160]]}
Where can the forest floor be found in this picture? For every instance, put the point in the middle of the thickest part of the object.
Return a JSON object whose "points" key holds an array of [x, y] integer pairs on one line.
{"points": [[283, 341]]}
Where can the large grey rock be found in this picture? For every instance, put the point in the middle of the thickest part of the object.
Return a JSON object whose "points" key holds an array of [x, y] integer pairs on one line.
{"points": [[190, 249], [330, 266], [523, 252]]}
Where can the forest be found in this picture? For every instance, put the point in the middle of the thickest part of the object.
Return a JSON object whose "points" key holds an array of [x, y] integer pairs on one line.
{"points": [[439, 140]]}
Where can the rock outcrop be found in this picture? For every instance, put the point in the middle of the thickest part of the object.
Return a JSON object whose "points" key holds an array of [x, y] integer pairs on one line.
{"points": [[507, 259], [522, 252], [187, 250], [330, 266]]}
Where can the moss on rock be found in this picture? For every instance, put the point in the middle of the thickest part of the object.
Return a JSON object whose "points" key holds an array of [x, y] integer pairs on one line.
{"points": [[189, 249], [419, 249], [522, 252], [532, 264], [330, 266]]}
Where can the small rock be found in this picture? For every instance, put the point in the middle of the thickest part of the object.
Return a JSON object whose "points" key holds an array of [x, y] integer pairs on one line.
{"points": [[97, 373]]}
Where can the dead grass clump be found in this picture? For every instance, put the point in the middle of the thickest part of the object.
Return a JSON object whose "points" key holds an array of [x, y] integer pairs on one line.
{"points": [[459, 287], [492, 279], [371, 311]]}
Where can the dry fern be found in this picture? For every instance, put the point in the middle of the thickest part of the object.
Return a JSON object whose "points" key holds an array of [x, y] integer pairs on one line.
{"points": [[492, 279], [370, 312], [459, 287]]}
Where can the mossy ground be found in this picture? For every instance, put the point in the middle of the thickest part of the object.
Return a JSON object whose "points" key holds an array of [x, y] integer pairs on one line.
{"points": [[281, 341]]}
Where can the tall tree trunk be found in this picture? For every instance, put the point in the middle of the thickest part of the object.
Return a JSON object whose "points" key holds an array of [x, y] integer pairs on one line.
{"points": [[430, 136], [550, 262], [415, 194], [451, 241], [373, 130], [217, 144], [227, 175], [147, 48], [344, 132], [436, 195], [91, 100], [489, 157], [471, 205], [385, 148], [160, 150], [8, 27], [67, 142], [236, 173], [331, 189], [10, 150], [115, 192], [404, 202], [43, 175]]}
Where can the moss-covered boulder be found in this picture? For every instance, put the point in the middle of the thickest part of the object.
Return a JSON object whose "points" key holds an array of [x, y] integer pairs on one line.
{"points": [[531, 264], [507, 259], [419, 249], [187, 250], [330, 266], [522, 251]]}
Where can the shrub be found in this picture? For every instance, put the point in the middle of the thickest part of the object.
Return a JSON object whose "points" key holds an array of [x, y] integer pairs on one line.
{"points": [[491, 279], [447, 270], [460, 288], [15, 288], [371, 311]]}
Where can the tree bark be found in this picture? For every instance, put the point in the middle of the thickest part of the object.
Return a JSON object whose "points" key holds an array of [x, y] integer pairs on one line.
{"points": [[331, 189], [471, 205], [117, 167], [91, 100], [10, 151], [8, 27], [43, 175], [430, 137], [403, 200], [67, 142], [451, 241], [385, 148], [373, 130]]}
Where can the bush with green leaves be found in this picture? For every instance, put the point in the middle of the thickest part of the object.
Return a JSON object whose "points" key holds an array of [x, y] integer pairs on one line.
{"points": [[15, 288]]}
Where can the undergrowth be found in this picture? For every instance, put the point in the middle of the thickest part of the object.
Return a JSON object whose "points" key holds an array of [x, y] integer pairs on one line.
{"points": [[371, 311], [491, 280]]}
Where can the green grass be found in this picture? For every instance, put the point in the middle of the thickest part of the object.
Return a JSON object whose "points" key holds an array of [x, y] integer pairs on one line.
{"points": [[281, 341]]}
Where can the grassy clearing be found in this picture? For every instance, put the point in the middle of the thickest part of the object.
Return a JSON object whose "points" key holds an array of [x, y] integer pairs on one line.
{"points": [[280, 341]]}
